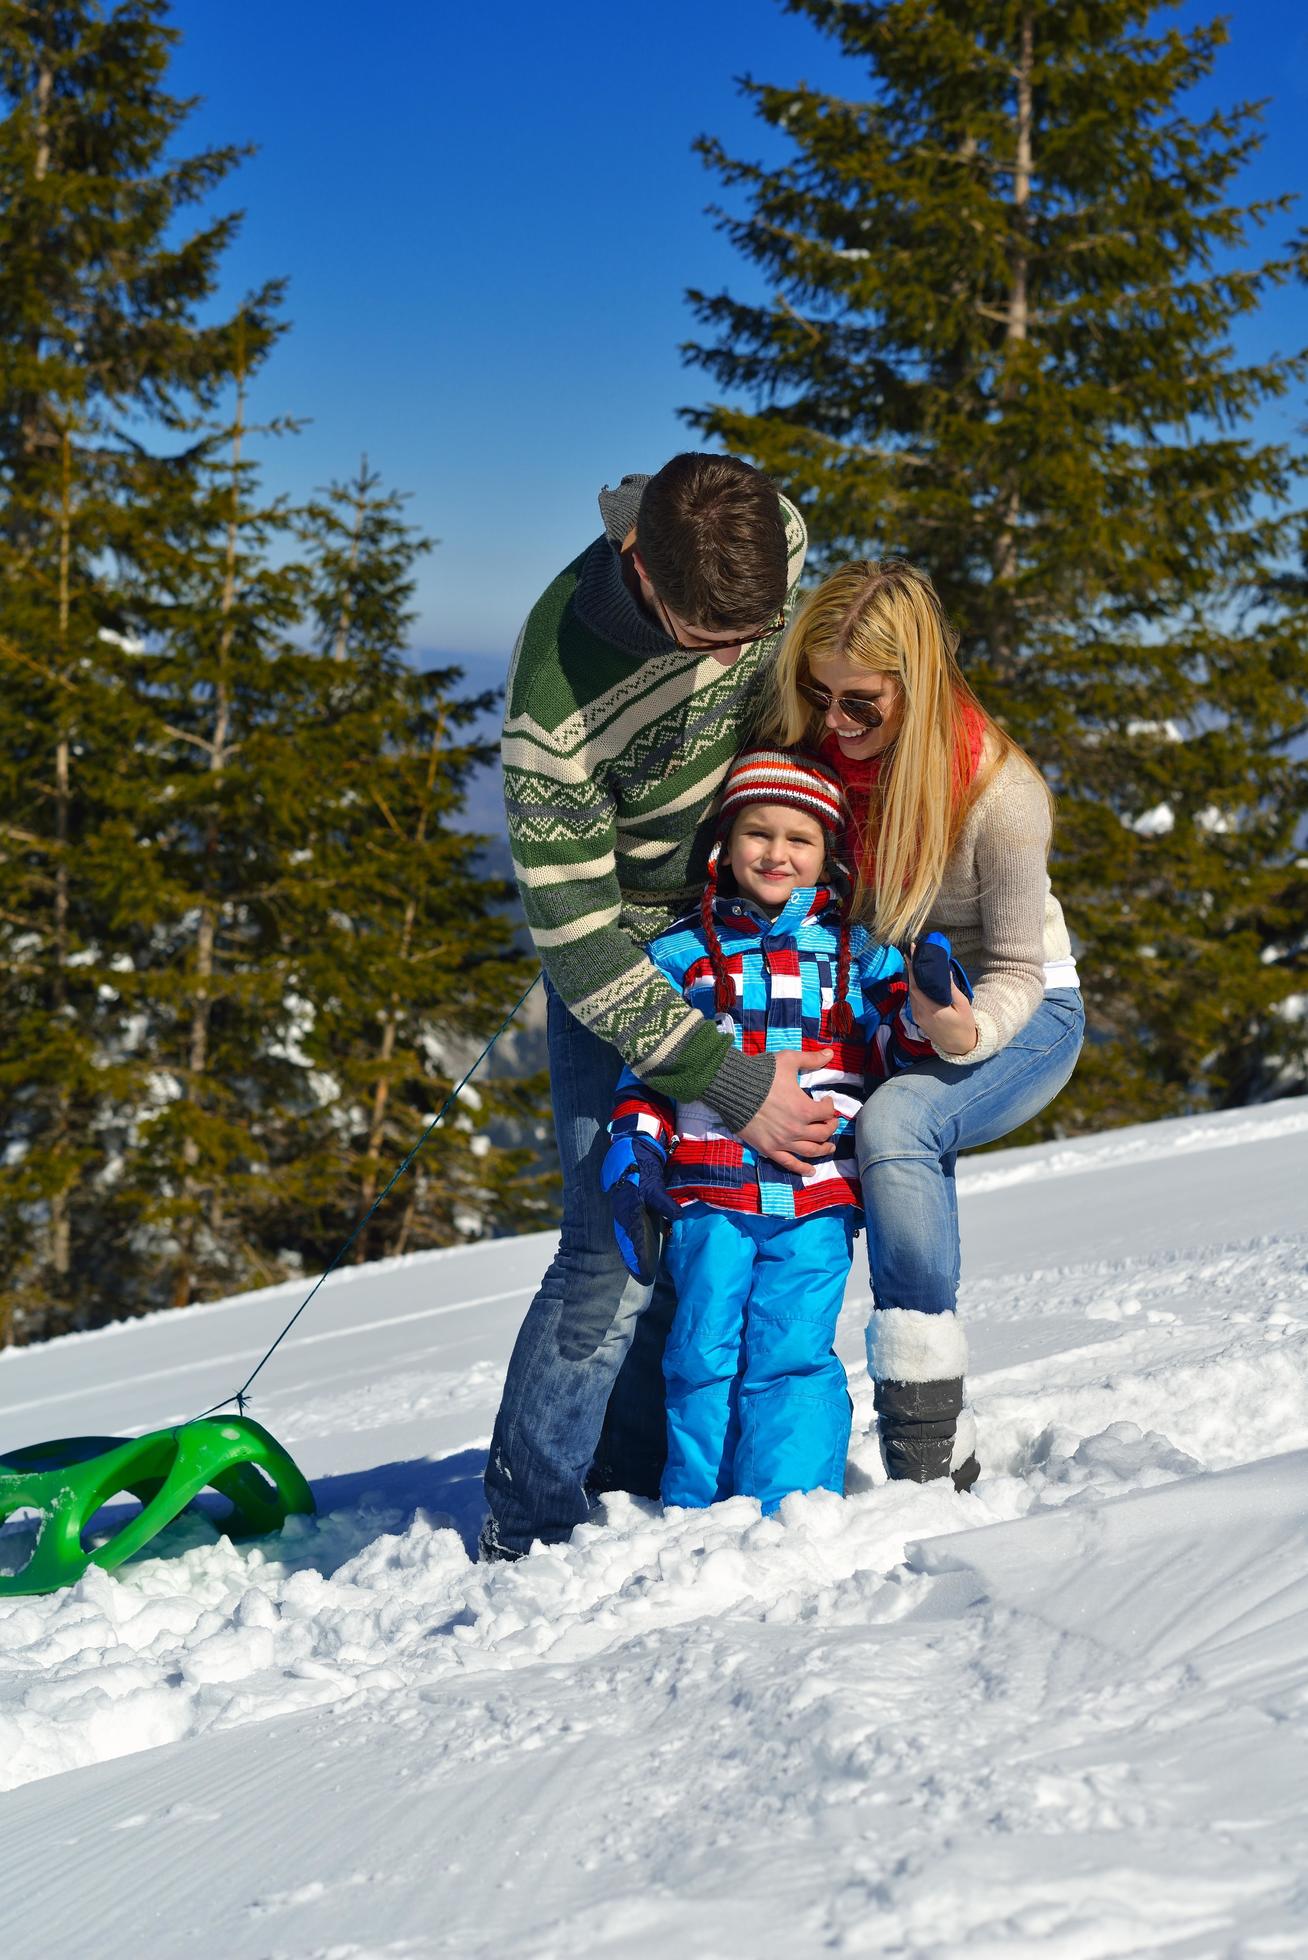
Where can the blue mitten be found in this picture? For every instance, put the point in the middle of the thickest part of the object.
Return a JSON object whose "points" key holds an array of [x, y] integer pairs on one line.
{"points": [[633, 1177], [934, 967]]}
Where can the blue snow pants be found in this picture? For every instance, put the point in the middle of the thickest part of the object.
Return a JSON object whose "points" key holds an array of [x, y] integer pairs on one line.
{"points": [[757, 1401]]}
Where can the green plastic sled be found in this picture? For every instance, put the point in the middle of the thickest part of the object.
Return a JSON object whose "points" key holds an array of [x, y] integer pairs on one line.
{"points": [[67, 1482]]}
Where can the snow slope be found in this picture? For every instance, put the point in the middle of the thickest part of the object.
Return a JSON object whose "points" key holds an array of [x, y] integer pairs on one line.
{"points": [[1066, 1715]]}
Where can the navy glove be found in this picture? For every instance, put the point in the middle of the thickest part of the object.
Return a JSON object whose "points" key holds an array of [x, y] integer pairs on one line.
{"points": [[642, 1210], [934, 966]]}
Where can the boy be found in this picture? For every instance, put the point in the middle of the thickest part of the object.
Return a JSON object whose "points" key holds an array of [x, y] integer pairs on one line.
{"points": [[757, 1401]]}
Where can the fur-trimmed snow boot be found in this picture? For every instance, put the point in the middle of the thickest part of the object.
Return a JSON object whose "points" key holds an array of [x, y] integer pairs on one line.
{"points": [[918, 1362]]}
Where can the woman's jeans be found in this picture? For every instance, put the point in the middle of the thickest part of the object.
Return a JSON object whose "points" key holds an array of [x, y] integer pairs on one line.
{"points": [[592, 1333], [911, 1130]]}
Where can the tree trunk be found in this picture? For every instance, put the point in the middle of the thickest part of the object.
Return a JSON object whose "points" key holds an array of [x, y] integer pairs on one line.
{"points": [[341, 641], [31, 414], [1015, 334], [381, 1095], [60, 1202], [197, 1057]]}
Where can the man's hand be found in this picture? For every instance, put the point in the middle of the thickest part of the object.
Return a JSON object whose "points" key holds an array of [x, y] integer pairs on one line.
{"points": [[791, 1128], [953, 1029]]}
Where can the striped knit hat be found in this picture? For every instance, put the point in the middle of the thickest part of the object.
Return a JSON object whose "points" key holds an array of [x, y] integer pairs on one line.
{"points": [[800, 781], [790, 776]]}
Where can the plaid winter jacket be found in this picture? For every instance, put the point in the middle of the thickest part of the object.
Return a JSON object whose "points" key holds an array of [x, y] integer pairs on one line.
{"points": [[784, 972]]}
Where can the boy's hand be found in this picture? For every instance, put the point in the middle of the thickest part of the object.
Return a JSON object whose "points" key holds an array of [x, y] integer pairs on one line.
{"points": [[791, 1128], [633, 1177]]}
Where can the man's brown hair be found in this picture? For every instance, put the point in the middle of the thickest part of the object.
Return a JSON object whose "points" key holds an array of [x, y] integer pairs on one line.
{"points": [[713, 540]]}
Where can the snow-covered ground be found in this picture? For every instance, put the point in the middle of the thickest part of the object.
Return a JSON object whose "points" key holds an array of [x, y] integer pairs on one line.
{"points": [[1066, 1715]]}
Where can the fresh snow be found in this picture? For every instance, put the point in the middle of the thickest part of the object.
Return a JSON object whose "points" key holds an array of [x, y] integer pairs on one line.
{"points": [[1065, 1715]]}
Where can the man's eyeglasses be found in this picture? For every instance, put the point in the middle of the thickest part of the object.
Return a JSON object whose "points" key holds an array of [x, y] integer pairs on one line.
{"points": [[854, 707], [714, 646]]}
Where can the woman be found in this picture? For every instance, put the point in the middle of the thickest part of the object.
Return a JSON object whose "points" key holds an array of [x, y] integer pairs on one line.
{"points": [[950, 827]]}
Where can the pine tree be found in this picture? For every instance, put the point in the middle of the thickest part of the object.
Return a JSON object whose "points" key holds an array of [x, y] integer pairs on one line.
{"points": [[1004, 284], [412, 965], [49, 696], [247, 947], [101, 296], [221, 687]]}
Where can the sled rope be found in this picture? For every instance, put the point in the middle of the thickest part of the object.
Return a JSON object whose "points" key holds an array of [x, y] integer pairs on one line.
{"points": [[242, 1392]]}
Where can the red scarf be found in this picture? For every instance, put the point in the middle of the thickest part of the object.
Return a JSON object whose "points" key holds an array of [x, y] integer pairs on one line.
{"points": [[861, 777]]}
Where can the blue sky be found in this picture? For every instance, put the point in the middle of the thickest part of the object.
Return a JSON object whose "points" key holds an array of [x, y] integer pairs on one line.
{"points": [[488, 217]]}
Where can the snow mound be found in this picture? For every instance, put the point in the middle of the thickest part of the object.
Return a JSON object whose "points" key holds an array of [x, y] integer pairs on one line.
{"points": [[1064, 1715]]}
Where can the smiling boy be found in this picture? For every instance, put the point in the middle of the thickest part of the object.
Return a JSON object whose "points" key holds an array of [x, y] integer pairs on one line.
{"points": [[756, 1396]]}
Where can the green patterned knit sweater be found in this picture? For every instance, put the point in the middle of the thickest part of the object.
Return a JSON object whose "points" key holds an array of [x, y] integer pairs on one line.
{"points": [[615, 745]]}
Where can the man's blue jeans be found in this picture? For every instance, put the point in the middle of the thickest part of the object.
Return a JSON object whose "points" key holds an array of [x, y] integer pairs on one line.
{"points": [[911, 1130], [592, 1341]]}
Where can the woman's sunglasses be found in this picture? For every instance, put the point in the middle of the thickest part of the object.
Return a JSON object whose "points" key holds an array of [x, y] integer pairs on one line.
{"points": [[854, 707]]}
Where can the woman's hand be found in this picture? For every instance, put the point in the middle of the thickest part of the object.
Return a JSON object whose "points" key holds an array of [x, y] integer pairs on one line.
{"points": [[953, 1029]]}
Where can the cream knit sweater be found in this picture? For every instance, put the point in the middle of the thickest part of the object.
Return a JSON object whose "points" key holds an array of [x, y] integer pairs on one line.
{"points": [[996, 907]]}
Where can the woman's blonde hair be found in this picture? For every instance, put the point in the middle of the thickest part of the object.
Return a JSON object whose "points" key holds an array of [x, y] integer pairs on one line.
{"points": [[886, 615]]}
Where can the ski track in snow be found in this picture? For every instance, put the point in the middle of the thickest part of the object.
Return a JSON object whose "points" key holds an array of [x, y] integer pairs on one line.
{"points": [[1065, 1715]]}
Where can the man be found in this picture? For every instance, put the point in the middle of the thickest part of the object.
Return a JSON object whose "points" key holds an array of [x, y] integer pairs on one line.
{"points": [[635, 680]]}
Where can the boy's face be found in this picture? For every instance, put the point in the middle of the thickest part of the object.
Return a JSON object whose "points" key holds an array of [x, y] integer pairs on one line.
{"points": [[772, 851]]}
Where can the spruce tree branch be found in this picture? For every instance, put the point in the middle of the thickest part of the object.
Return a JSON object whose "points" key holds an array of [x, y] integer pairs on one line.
{"points": [[1281, 739], [184, 735], [783, 305], [52, 674], [382, 805]]}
